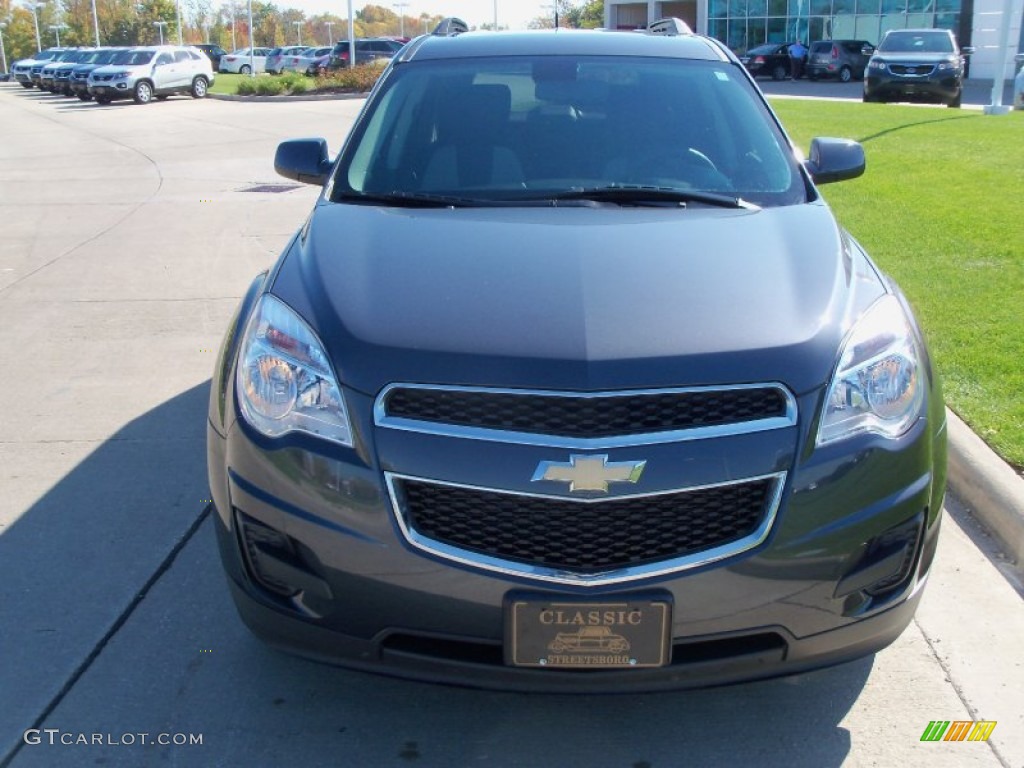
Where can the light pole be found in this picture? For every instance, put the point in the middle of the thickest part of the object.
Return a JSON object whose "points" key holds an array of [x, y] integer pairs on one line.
{"points": [[495, 15], [95, 23], [298, 31], [252, 53], [3, 53], [234, 45], [56, 28], [177, 9], [401, 17], [351, 37], [330, 37], [35, 16], [160, 25]]}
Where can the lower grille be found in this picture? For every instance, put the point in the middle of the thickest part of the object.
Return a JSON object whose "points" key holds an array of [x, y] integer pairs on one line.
{"points": [[588, 539]]}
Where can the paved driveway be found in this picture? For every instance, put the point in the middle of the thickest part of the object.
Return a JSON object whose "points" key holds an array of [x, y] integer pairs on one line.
{"points": [[127, 234]]}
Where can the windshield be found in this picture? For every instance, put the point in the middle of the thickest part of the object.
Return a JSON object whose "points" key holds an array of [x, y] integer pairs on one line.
{"points": [[916, 42], [532, 128]]}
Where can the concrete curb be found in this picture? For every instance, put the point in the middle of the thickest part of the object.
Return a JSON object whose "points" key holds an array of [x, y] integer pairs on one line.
{"points": [[988, 486], [302, 97]]}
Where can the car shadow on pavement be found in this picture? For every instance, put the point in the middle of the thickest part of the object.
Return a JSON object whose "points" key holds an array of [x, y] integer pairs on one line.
{"points": [[119, 560], [76, 560]]}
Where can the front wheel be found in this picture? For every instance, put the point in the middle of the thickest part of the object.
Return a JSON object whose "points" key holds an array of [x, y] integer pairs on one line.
{"points": [[84, 96], [26, 85], [143, 92], [779, 73], [955, 103], [845, 75], [103, 100], [199, 87], [245, 69]]}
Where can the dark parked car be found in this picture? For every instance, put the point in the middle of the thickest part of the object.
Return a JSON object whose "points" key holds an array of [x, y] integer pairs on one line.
{"points": [[213, 53], [916, 65], [841, 59], [768, 60], [571, 346], [367, 50]]}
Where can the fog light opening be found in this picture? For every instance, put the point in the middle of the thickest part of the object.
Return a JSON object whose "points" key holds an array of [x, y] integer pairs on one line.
{"points": [[274, 561]]}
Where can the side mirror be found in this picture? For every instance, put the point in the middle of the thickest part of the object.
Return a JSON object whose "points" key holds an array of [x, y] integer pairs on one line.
{"points": [[835, 160], [304, 160], [867, 50], [968, 50]]}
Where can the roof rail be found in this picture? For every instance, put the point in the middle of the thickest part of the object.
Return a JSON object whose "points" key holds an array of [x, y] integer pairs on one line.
{"points": [[671, 26], [450, 27]]}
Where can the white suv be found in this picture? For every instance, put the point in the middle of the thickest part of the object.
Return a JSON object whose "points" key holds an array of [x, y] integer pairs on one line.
{"points": [[159, 70]]}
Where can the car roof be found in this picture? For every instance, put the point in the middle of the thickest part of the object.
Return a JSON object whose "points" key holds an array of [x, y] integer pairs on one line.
{"points": [[562, 41]]}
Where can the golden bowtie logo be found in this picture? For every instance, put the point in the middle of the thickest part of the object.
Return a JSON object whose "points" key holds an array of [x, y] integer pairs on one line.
{"points": [[589, 473]]}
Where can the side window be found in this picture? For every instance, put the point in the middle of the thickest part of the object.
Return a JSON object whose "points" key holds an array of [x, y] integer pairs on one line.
{"points": [[181, 55], [195, 56], [164, 58]]}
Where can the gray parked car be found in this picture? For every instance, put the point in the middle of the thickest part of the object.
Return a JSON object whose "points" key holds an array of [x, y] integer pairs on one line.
{"points": [[844, 60], [571, 381], [917, 65]]}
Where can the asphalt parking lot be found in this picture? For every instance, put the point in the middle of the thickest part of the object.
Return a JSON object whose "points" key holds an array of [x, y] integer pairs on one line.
{"points": [[128, 235]]}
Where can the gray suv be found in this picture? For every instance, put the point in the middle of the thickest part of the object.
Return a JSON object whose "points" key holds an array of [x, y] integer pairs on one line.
{"points": [[917, 65], [152, 72], [571, 381], [844, 60]]}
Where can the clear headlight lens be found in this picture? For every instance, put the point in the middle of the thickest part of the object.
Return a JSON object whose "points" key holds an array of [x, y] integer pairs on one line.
{"points": [[284, 379], [877, 385], [876, 64]]}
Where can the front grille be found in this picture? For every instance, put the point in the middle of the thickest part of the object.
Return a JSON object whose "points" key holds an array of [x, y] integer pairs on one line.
{"points": [[585, 538], [911, 69], [586, 416]]}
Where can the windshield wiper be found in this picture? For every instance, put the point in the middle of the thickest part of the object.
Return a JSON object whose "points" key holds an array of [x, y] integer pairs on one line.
{"points": [[401, 199], [636, 194]]}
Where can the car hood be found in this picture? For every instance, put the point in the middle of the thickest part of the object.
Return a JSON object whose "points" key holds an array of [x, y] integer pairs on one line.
{"points": [[577, 298]]}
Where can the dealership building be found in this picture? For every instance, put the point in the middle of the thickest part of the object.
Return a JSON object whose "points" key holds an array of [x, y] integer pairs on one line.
{"points": [[743, 24]]}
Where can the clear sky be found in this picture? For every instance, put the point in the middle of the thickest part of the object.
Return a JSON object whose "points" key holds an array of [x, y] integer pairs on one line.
{"points": [[511, 13]]}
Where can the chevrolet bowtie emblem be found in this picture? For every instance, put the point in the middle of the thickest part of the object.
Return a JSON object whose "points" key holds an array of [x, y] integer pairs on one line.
{"points": [[589, 473]]}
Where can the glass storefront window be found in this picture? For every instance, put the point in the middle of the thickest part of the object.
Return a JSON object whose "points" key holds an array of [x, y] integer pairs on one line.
{"points": [[718, 8], [755, 32], [865, 7], [776, 30], [948, 21], [776, 7], [894, 6]]}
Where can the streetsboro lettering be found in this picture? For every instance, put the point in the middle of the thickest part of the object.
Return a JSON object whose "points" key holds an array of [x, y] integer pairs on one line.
{"points": [[590, 618]]}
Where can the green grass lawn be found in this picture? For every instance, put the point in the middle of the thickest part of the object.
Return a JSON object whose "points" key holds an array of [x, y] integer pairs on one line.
{"points": [[941, 209], [225, 83]]}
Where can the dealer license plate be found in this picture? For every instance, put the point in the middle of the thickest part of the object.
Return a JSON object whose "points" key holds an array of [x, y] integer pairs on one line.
{"points": [[587, 635]]}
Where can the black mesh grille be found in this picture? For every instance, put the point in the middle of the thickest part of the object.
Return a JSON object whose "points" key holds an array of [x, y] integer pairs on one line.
{"points": [[585, 538], [587, 417]]}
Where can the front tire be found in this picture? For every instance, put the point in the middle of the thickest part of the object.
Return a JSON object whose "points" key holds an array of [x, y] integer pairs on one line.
{"points": [[26, 85], [779, 73], [104, 100], [845, 75], [955, 103], [84, 96], [143, 92], [245, 69], [199, 87]]}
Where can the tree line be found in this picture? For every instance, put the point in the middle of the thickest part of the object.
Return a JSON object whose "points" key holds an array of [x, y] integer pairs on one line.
{"points": [[134, 22]]}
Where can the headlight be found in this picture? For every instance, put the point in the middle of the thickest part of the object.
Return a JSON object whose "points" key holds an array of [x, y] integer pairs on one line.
{"points": [[877, 384], [876, 64], [284, 379], [944, 65], [120, 75]]}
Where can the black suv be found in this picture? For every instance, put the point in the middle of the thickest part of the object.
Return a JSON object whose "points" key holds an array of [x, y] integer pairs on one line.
{"points": [[916, 65], [213, 53], [367, 49], [841, 59]]}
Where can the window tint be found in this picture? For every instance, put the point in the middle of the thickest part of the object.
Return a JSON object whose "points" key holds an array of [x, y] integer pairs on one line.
{"points": [[164, 58], [181, 55]]}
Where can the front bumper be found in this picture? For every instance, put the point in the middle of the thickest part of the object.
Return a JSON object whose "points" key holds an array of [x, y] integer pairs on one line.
{"points": [[371, 600], [933, 88]]}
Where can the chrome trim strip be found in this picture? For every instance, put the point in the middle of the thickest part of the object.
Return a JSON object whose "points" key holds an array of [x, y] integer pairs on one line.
{"points": [[381, 419], [555, 576]]}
